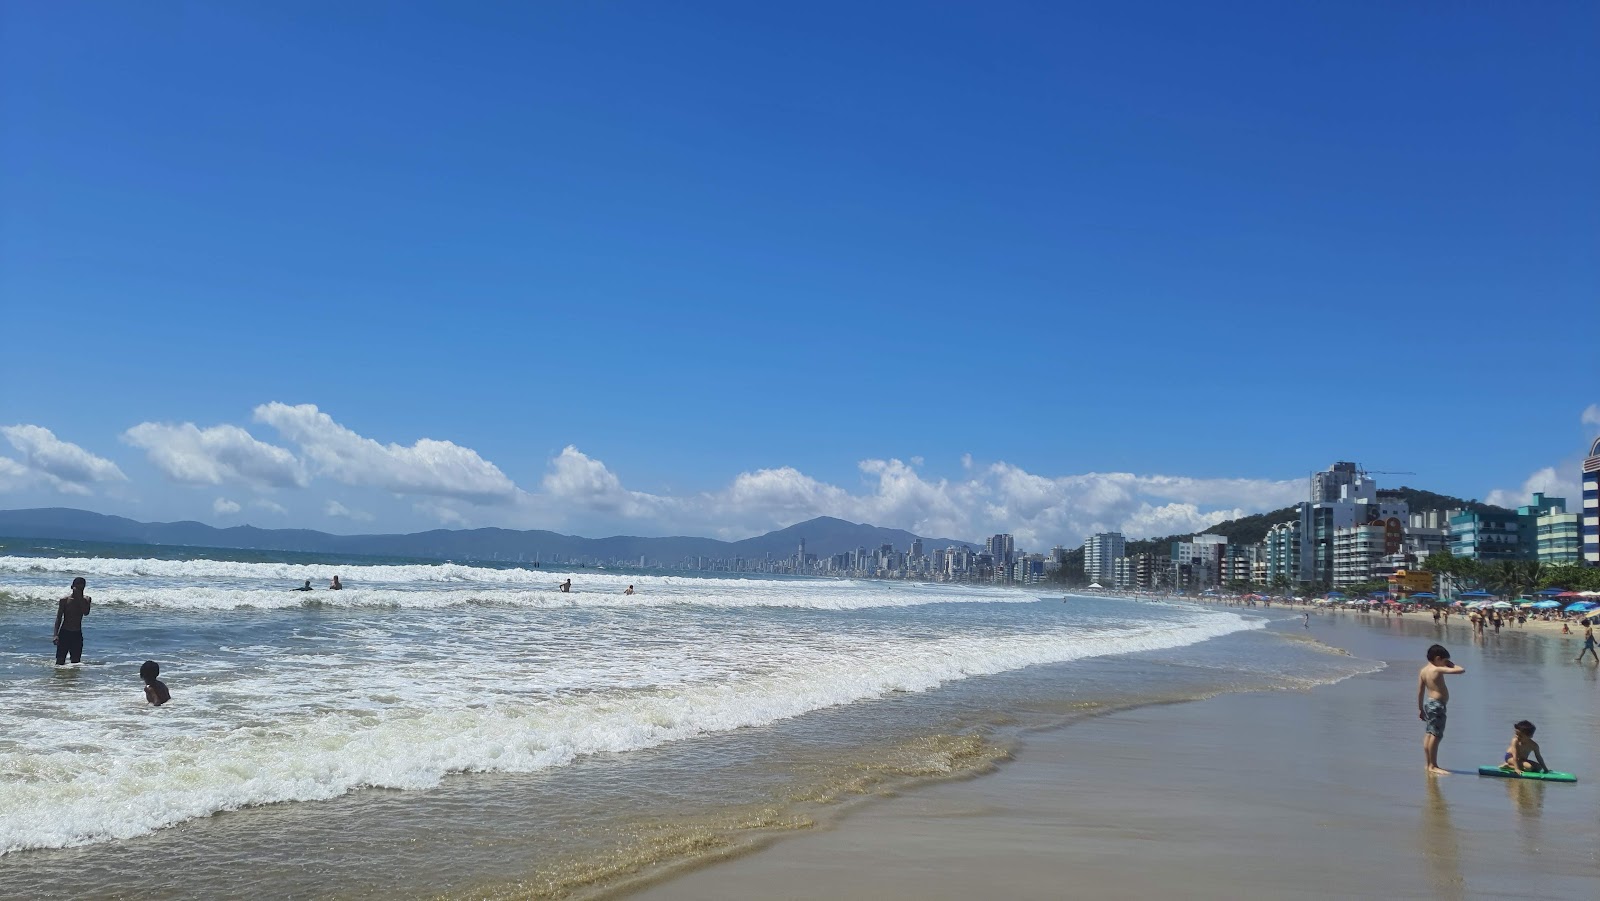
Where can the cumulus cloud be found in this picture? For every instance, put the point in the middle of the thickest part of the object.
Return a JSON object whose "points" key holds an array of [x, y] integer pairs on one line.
{"points": [[1039, 510], [61, 464], [13, 475], [574, 478], [190, 455], [224, 507], [336, 509], [269, 506], [427, 467], [445, 514], [1560, 480], [1548, 480]]}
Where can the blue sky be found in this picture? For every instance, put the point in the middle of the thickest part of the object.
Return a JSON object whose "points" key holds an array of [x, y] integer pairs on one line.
{"points": [[716, 267]]}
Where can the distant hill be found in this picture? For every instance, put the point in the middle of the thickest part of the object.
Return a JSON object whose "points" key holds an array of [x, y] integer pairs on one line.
{"points": [[1253, 529], [824, 536]]}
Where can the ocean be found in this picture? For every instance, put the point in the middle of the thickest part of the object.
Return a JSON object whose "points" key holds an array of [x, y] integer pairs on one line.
{"points": [[451, 730]]}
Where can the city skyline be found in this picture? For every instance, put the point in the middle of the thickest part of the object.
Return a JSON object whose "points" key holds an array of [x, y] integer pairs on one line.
{"points": [[720, 268]]}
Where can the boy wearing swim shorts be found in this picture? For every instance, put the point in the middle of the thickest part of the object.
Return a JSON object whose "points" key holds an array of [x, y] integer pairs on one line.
{"points": [[1432, 698]]}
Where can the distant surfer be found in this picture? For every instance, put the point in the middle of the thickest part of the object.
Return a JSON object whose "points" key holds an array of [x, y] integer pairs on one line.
{"points": [[68, 633], [566, 586], [629, 591], [335, 586], [1432, 698], [305, 587], [155, 690]]}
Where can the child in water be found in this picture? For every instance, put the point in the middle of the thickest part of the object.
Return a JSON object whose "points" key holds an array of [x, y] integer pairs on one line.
{"points": [[155, 690], [1522, 748]]}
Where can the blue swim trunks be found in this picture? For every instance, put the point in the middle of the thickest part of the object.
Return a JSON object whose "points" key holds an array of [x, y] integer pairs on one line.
{"points": [[1433, 717]]}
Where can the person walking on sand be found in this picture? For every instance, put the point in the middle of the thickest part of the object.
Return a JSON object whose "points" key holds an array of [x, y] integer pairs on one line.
{"points": [[1589, 644], [68, 633], [1432, 698]]}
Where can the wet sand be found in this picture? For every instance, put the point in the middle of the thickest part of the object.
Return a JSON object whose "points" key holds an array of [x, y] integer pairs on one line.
{"points": [[1288, 794]]}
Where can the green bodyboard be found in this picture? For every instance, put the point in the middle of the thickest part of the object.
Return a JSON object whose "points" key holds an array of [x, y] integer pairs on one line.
{"points": [[1542, 777]]}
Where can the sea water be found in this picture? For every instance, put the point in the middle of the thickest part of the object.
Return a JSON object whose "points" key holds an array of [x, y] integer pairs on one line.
{"points": [[440, 728]]}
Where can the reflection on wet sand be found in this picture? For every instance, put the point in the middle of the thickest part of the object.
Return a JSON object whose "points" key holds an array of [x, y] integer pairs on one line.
{"points": [[1440, 846]]}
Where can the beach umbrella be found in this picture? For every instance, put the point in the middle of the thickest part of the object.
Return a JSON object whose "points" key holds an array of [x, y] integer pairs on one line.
{"points": [[1501, 605], [1578, 606], [1569, 594], [1590, 594], [1552, 591], [1545, 605]]}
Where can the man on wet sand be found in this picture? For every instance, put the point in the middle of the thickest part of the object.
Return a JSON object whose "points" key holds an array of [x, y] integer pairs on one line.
{"points": [[1432, 697], [68, 634]]}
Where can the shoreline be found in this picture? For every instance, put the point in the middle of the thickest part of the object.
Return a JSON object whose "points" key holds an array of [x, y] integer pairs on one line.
{"points": [[1250, 794], [1456, 620]]}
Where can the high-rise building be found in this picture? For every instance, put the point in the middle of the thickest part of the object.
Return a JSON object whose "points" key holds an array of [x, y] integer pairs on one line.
{"points": [[1558, 537], [1486, 535], [1327, 484], [1282, 551], [1591, 506], [916, 548], [1100, 554]]}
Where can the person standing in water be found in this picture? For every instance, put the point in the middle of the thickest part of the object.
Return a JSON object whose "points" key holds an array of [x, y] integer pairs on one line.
{"points": [[68, 634], [335, 586], [1588, 642], [1432, 697]]}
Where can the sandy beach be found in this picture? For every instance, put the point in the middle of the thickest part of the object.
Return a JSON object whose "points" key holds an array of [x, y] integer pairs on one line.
{"points": [[1285, 794]]}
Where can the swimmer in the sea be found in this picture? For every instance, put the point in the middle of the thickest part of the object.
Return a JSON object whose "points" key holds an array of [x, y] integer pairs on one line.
{"points": [[155, 690], [68, 633], [305, 587]]}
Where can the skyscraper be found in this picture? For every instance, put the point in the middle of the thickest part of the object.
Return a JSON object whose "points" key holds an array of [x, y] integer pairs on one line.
{"points": [[1100, 555], [1591, 506], [1325, 485]]}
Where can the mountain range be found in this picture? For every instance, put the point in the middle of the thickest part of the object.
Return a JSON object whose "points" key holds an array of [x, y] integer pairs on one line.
{"points": [[823, 536]]}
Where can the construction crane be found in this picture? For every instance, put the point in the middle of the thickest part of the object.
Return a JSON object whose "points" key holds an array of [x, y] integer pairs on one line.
{"points": [[1383, 472]]}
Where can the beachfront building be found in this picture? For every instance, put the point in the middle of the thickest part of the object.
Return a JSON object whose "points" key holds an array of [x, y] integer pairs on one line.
{"points": [[1100, 554], [1329, 484], [1358, 550], [1486, 535], [1359, 503], [1591, 506], [1281, 554], [1197, 563], [1235, 563], [1558, 537]]}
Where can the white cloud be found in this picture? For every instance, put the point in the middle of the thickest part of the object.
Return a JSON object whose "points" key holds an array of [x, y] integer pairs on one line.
{"points": [[269, 506], [1039, 510], [1548, 480], [428, 467], [191, 455], [61, 464], [446, 515], [576, 479], [224, 507], [336, 509], [1560, 480], [13, 475]]}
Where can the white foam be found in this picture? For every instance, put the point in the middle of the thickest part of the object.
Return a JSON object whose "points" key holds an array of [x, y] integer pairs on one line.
{"points": [[117, 770]]}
